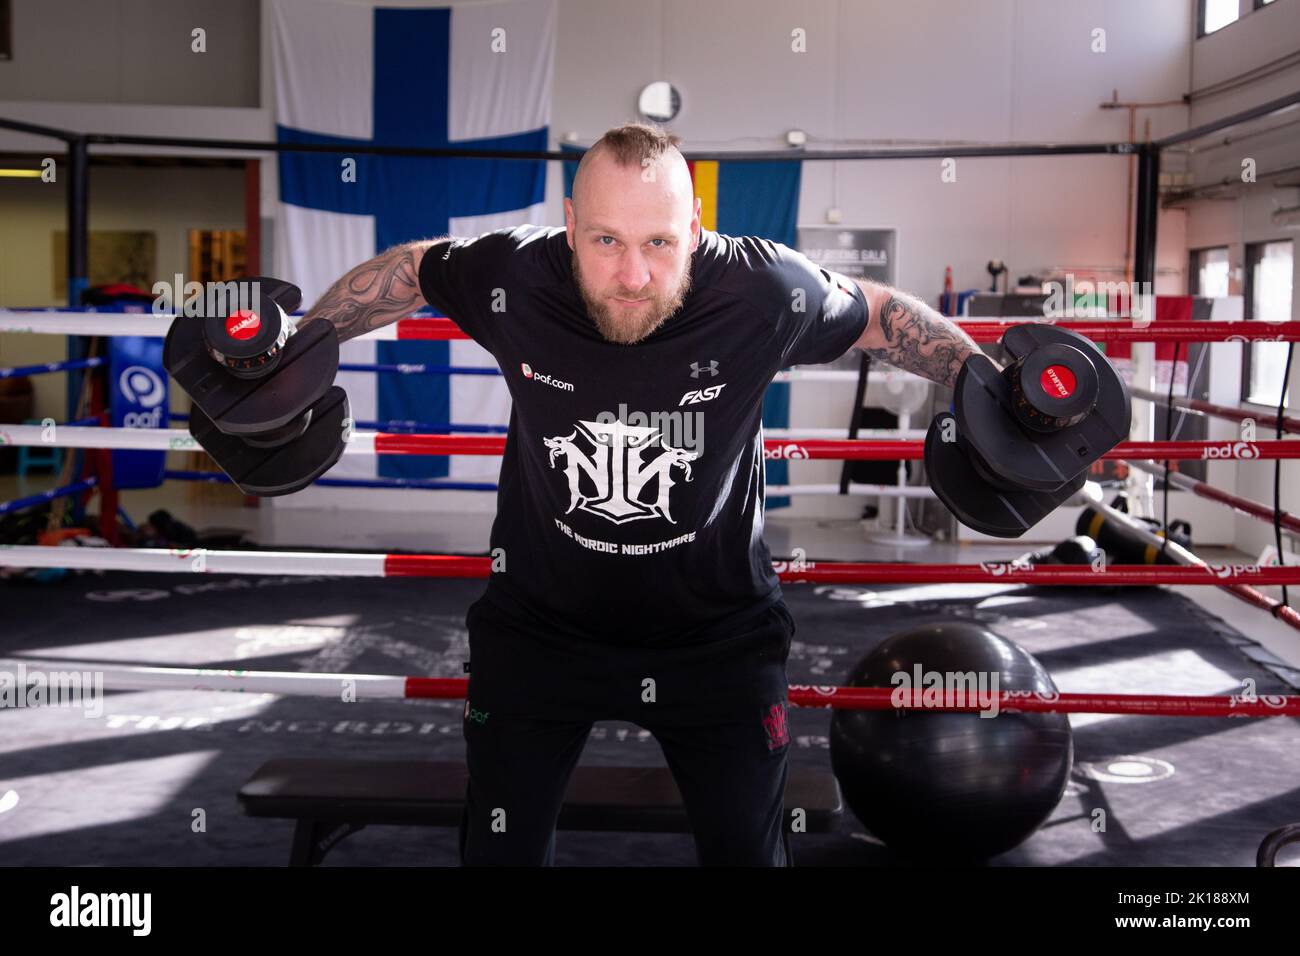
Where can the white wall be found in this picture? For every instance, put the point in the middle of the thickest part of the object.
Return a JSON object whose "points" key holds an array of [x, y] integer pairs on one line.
{"points": [[133, 51]]}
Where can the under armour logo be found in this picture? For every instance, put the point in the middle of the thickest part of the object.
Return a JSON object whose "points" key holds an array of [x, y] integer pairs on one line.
{"points": [[696, 369]]}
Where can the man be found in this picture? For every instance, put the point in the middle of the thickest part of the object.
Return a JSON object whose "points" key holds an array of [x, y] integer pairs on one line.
{"points": [[637, 585]]}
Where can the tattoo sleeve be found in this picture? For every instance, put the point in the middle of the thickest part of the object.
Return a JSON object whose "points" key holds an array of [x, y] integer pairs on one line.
{"points": [[376, 293], [916, 338]]}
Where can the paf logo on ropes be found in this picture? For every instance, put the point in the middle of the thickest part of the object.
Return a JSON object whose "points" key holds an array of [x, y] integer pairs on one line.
{"points": [[793, 452], [145, 395], [821, 690], [1233, 570], [999, 568], [1236, 449], [797, 564], [1255, 338]]}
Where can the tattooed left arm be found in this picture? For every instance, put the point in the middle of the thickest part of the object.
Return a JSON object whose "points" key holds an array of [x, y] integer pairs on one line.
{"points": [[906, 333]]}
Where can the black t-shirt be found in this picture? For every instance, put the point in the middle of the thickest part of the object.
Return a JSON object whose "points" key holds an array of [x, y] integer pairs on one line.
{"points": [[630, 503]]}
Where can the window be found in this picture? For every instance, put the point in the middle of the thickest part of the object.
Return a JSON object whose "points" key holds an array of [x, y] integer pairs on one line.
{"points": [[1209, 272], [1268, 299], [216, 255], [1215, 15]]}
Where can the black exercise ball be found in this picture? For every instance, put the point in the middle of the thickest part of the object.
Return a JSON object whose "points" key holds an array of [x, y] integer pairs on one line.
{"points": [[949, 785]]}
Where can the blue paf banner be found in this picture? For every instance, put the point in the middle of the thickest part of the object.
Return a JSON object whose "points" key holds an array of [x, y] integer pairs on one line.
{"points": [[137, 388]]}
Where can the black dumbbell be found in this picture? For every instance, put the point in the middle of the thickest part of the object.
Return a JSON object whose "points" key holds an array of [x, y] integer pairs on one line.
{"points": [[265, 406]]}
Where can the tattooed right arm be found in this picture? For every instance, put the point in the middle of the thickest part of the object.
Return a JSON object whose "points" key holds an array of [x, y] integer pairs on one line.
{"points": [[910, 335], [376, 293]]}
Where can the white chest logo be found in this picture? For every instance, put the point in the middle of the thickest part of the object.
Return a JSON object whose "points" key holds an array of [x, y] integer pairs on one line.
{"points": [[697, 395], [614, 479]]}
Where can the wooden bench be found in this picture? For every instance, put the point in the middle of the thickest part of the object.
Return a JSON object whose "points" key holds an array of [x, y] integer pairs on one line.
{"points": [[332, 798]]}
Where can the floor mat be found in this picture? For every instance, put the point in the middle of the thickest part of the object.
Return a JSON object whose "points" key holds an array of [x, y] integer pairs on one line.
{"points": [[153, 780]]}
